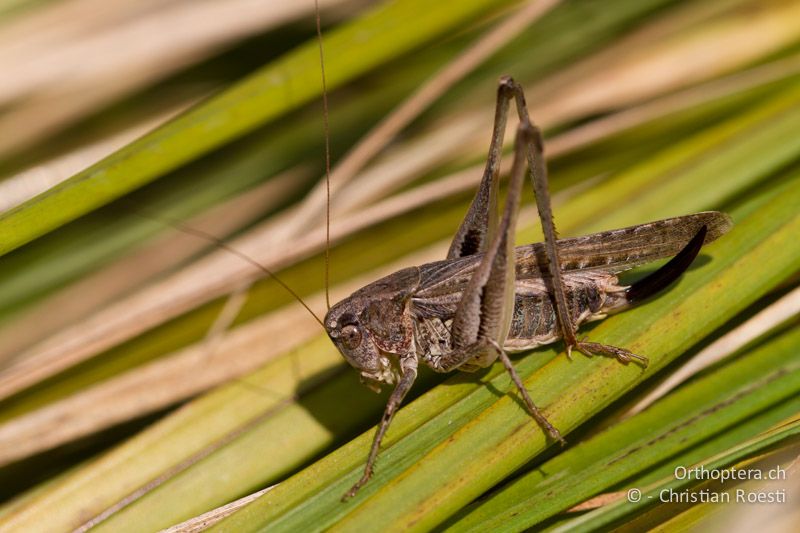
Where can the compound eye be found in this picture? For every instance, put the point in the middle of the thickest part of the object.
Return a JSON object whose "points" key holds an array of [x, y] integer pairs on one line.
{"points": [[351, 336]]}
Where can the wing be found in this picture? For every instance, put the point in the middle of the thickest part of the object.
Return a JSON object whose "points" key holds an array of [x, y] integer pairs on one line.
{"points": [[608, 251], [621, 249]]}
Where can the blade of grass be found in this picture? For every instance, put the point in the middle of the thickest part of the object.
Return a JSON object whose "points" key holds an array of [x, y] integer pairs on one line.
{"points": [[732, 150], [768, 319], [785, 434], [639, 68], [730, 396], [147, 457], [52, 88], [732, 514]]}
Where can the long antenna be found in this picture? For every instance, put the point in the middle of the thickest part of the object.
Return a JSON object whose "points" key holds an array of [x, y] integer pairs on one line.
{"points": [[327, 159], [183, 228], [225, 246]]}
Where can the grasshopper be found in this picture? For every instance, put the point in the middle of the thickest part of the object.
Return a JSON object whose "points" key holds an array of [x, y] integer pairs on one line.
{"points": [[488, 298]]}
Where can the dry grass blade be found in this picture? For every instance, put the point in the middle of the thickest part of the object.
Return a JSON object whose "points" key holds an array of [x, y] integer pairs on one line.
{"points": [[763, 517], [24, 185], [67, 74], [595, 130], [210, 518], [94, 291], [154, 386], [376, 139], [653, 61]]}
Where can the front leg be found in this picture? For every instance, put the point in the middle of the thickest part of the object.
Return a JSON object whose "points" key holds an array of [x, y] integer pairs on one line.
{"points": [[408, 368]]}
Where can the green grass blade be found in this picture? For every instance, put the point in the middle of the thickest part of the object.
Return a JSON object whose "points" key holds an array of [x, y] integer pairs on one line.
{"points": [[188, 436], [291, 81], [724, 399], [785, 434]]}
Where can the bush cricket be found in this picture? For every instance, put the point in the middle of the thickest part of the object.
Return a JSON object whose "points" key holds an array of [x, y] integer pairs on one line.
{"points": [[488, 298]]}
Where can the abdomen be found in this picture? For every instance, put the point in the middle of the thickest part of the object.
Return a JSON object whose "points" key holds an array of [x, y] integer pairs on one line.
{"points": [[590, 296]]}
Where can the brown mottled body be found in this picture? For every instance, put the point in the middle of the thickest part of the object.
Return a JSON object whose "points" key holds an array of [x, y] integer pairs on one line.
{"points": [[589, 264], [488, 297]]}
